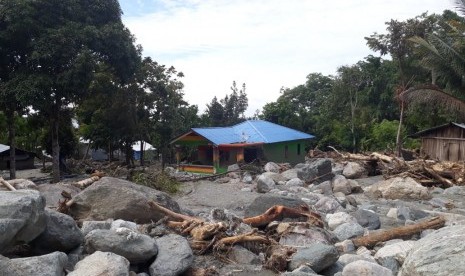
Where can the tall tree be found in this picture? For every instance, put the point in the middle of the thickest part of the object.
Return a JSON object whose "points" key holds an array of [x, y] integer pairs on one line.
{"points": [[68, 40]]}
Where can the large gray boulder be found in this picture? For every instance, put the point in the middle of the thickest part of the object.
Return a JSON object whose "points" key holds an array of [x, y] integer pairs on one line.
{"points": [[52, 264], [119, 199], [398, 188], [304, 236], [22, 217], [272, 167], [265, 183], [264, 202], [320, 167], [289, 174], [102, 263], [60, 234], [135, 247], [90, 225], [175, 256], [317, 256], [353, 170], [392, 256], [341, 184], [52, 192], [440, 253]]}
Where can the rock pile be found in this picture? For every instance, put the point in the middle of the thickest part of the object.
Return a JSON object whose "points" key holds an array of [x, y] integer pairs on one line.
{"points": [[110, 230]]}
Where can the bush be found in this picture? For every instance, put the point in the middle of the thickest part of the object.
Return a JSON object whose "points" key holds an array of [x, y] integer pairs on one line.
{"points": [[160, 181]]}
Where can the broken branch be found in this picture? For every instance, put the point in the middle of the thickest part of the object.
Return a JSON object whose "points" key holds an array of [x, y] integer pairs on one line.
{"points": [[6, 184], [278, 212]]}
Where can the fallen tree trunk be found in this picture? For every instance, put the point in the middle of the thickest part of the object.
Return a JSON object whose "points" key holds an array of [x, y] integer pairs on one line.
{"points": [[279, 212], [444, 181], [86, 182], [399, 232], [6, 184]]}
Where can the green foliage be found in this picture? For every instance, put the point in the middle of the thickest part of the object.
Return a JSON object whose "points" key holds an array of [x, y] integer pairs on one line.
{"points": [[161, 181]]}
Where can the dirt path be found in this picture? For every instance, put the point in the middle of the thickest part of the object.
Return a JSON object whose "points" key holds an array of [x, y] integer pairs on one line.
{"points": [[203, 196]]}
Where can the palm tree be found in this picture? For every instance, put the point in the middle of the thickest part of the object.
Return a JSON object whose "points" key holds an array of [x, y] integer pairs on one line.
{"points": [[445, 58]]}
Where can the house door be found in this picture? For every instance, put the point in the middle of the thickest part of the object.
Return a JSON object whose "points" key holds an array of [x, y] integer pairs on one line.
{"points": [[453, 152]]}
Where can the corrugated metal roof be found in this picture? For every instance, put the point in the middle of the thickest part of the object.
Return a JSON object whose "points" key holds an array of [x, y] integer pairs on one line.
{"points": [[251, 131], [423, 132], [4, 148]]}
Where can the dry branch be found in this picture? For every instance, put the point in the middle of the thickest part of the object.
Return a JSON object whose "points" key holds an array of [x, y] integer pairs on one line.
{"points": [[372, 239], [172, 215], [6, 184], [86, 182], [279, 212]]}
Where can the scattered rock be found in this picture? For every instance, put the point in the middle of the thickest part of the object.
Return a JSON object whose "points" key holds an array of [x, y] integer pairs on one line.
{"points": [[365, 268], [325, 187], [22, 217], [52, 264], [354, 170], [123, 223], [336, 219], [60, 234], [90, 225], [328, 205], [398, 188], [241, 255], [264, 202], [341, 184], [102, 263], [348, 230], [345, 246], [350, 258], [301, 235], [135, 247], [367, 219], [265, 184], [277, 178], [407, 213], [272, 167], [119, 199], [392, 213], [247, 178], [233, 167], [295, 182], [392, 256], [455, 190], [320, 167], [317, 256], [174, 257], [289, 174]]}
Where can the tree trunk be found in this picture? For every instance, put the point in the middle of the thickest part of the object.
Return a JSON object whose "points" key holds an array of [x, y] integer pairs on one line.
{"points": [[399, 129], [12, 141], [142, 153], [55, 151]]}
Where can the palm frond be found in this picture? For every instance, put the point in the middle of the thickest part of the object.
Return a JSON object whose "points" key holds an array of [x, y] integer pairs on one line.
{"points": [[431, 94], [460, 5]]}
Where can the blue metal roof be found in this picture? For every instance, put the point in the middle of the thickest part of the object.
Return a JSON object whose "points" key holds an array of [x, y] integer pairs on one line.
{"points": [[251, 131]]}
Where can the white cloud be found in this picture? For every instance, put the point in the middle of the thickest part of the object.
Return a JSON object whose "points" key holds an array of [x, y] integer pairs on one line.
{"points": [[266, 44]]}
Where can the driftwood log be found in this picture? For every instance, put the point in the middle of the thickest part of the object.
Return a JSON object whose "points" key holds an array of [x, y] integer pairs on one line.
{"points": [[82, 184], [372, 239], [6, 184]]}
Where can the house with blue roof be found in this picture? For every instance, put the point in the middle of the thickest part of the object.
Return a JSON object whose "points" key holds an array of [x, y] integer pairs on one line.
{"points": [[211, 150]]}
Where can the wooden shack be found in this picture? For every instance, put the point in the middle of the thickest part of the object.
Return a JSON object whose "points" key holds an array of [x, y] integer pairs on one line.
{"points": [[445, 142]]}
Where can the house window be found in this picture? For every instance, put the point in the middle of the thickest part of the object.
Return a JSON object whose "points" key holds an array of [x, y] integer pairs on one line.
{"points": [[298, 149], [286, 151]]}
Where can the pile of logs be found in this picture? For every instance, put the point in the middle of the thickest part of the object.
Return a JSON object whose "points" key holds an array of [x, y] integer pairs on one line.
{"points": [[427, 172]]}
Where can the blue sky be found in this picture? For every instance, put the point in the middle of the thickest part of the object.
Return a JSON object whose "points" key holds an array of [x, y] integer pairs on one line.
{"points": [[266, 44]]}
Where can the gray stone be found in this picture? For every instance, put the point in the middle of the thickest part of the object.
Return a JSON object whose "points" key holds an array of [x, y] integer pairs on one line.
{"points": [[275, 176], [301, 235], [295, 182], [345, 246], [367, 219], [320, 167], [175, 256], [365, 268], [102, 263], [247, 189], [247, 178], [22, 217], [440, 253], [353, 170], [392, 213], [341, 184], [336, 219], [355, 187], [265, 184], [52, 193], [289, 174], [455, 190], [392, 256], [52, 264], [233, 167], [317, 256], [348, 230], [90, 225], [350, 258], [325, 187], [328, 205], [264, 202], [407, 213], [60, 234], [272, 167], [398, 188], [119, 199], [123, 223], [241, 255], [441, 203], [135, 247], [303, 270]]}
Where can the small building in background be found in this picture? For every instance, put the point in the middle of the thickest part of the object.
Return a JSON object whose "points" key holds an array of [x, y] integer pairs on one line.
{"points": [[445, 142], [24, 159], [211, 150]]}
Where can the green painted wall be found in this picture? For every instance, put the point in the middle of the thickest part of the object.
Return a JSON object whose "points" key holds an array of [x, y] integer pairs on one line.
{"points": [[276, 152]]}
